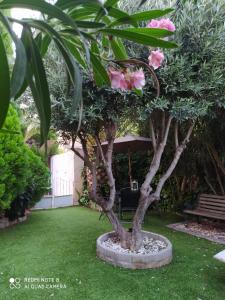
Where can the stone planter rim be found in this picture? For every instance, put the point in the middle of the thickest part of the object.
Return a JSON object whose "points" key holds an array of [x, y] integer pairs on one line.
{"points": [[169, 245], [135, 260]]}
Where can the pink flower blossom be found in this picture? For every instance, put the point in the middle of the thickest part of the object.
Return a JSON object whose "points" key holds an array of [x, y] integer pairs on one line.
{"points": [[167, 24], [164, 23], [138, 79], [155, 59], [153, 24], [117, 80], [127, 80]]}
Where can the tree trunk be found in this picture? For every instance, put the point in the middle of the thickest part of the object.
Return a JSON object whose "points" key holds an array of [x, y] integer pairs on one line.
{"points": [[123, 235], [136, 238]]}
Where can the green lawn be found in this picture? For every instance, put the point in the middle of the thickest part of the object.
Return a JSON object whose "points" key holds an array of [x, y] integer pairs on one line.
{"points": [[61, 244]]}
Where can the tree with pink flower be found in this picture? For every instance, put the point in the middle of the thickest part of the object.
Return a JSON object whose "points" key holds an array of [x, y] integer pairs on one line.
{"points": [[176, 95]]}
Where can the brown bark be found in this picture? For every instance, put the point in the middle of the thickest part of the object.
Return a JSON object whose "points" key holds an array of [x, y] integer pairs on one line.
{"points": [[121, 232], [145, 198], [215, 165]]}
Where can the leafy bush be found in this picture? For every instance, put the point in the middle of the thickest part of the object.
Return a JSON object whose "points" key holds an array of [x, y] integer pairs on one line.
{"points": [[21, 171], [84, 198]]}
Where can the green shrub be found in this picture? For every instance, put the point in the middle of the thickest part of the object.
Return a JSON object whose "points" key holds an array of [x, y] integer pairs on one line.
{"points": [[84, 198], [21, 171]]}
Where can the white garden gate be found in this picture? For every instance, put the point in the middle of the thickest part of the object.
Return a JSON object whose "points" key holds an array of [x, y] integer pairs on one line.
{"points": [[66, 181]]}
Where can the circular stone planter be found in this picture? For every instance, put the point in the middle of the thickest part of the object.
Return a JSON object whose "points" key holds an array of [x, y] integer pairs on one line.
{"points": [[134, 260]]}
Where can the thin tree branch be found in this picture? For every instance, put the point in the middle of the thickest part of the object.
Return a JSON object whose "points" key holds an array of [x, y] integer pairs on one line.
{"points": [[216, 170], [163, 124], [155, 164], [85, 150], [152, 133], [167, 130], [74, 150], [178, 152], [210, 185], [176, 134], [98, 142]]}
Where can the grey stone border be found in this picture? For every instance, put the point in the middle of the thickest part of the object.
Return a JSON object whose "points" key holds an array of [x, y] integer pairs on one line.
{"points": [[4, 222], [198, 235], [133, 260]]}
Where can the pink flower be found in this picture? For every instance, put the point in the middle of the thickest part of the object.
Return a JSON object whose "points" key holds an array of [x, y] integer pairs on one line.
{"points": [[127, 80], [155, 59], [138, 79], [167, 24], [117, 80], [153, 24], [164, 23]]}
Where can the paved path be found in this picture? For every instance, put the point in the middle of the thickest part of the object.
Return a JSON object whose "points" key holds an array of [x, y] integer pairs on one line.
{"points": [[220, 256]]}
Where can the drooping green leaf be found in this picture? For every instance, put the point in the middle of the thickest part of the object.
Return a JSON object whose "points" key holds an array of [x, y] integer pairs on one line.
{"points": [[42, 44], [45, 44], [155, 32], [75, 52], [67, 4], [89, 24], [42, 6], [101, 75], [19, 69], [83, 12], [118, 48], [4, 83], [142, 16], [95, 48], [106, 7], [140, 38], [37, 80]]}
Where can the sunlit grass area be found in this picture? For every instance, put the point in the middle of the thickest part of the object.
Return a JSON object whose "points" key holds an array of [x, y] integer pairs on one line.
{"points": [[60, 244]]}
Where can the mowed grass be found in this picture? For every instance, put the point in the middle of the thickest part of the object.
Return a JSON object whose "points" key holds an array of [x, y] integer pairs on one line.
{"points": [[61, 244]]}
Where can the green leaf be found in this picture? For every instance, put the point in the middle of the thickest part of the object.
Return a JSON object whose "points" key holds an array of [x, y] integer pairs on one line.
{"points": [[39, 24], [118, 49], [104, 10], [155, 32], [4, 83], [142, 16], [95, 48], [43, 44], [83, 13], [117, 13], [67, 4], [7, 131], [42, 6], [90, 25], [37, 80], [101, 75], [19, 69], [142, 2], [144, 39], [109, 3], [75, 52]]}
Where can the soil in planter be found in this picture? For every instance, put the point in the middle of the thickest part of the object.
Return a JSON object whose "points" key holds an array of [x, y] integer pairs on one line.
{"points": [[149, 245]]}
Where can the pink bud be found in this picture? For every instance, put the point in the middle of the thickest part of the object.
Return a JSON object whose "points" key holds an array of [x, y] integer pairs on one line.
{"points": [[155, 59]]}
